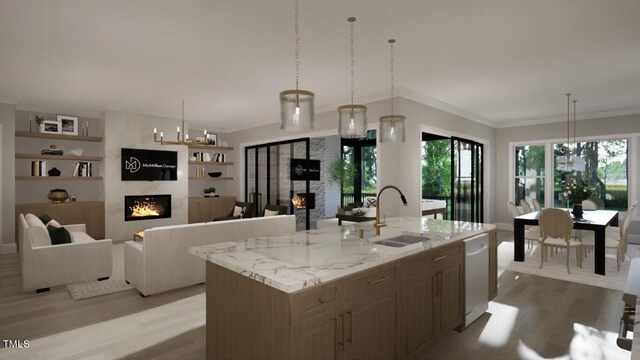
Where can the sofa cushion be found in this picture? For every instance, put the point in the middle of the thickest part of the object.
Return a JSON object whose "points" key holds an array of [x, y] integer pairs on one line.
{"points": [[45, 218], [268, 212], [81, 237], [37, 231], [59, 235]]}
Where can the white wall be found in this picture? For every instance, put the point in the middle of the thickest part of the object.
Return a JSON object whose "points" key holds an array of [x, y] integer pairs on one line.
{"points": [[620, 125], [7, 119], [1, 218], [398, 164], [136, 131]]}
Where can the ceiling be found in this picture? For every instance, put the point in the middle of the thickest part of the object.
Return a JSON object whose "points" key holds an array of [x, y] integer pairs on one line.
{"points": [[501, 62]]}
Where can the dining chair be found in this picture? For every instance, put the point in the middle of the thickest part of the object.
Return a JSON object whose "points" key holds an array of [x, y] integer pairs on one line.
{"points": [[526, 208], [616, 238], [536, 204], [555, 228], [589, 205], [531, 233]]}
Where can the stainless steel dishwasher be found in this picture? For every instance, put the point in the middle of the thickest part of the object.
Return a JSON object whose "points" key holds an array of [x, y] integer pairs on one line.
{"points": [[476, 277]]}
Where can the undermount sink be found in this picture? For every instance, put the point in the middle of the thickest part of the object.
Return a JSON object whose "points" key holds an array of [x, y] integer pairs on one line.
{"points": [[400, 240]]}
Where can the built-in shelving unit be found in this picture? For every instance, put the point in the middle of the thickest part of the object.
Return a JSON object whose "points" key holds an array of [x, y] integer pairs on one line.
{"points": [[213, 150], [58, 178], [58, 157]]}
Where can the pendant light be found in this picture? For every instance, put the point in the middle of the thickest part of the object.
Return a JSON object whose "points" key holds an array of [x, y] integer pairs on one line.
{"points": [[352, 119], [564, 163], [296, 106], [578, 162], [391, 126]]}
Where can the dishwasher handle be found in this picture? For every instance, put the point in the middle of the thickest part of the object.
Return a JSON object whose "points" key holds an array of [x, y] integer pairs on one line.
{"points": [[482, 249]]}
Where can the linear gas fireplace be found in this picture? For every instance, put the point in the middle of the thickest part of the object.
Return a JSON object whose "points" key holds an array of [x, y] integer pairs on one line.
{"points": [[144, 207], [302, 201]]}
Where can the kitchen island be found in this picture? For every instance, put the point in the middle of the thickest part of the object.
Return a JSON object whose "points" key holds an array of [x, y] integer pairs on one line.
{"points": [[328, 293]]}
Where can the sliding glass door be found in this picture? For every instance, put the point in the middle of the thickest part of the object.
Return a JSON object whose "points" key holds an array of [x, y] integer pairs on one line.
{"points": [[278, 173]]}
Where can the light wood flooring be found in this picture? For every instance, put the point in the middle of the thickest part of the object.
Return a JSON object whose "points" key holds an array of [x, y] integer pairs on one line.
{"points": [[551, 318]]}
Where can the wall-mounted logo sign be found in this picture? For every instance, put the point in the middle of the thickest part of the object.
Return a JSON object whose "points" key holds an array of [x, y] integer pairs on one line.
{"points": [[149, 165], [299, 169]]}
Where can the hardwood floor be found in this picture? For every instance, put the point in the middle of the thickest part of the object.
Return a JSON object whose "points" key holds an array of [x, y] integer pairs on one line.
{"points": [[551, 319]]}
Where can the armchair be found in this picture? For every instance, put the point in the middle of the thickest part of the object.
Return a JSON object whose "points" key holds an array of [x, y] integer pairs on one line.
{"points": [[246, 212], [281, 209]]}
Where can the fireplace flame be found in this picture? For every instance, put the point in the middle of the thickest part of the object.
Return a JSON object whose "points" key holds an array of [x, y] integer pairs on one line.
{"points": [[299, 202], [144, 209]]}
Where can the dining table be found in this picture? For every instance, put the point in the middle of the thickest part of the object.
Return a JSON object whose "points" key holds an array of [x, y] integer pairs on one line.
{"points": [[592, 220]]}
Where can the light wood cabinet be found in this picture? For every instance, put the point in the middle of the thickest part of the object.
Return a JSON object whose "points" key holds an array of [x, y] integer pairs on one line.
{"points": [[396, 310], [202, 209], [493, 264]]}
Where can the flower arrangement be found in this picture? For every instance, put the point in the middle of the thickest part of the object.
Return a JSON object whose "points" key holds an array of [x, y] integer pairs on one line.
{"points": [[576, 191]]}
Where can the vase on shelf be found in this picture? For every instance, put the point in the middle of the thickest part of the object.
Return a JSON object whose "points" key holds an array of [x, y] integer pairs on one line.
{"points": [[54, 172], [577, 210]]}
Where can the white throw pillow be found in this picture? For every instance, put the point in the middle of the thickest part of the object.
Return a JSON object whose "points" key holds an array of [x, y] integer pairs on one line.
{"points": [[37, 230], [268, 212], [237, 210], [54, 223], [370, 201]]}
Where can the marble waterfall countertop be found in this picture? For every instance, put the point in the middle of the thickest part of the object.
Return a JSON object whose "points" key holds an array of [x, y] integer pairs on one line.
{"points": [[305, 259]]}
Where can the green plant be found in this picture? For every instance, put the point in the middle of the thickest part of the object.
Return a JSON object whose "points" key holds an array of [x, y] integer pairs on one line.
{"points": [[341, 171], [576, 190], [39, 119], [209, 190]]}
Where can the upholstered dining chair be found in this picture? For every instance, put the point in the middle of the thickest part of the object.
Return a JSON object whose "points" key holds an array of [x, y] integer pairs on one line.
{"points": [[531, 233], [536, 204], [555, 228], [589, 205], [526, 208], [616, 238]]}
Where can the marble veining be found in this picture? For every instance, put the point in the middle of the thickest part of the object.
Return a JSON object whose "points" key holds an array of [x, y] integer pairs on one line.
{"points": [[296, 261]]}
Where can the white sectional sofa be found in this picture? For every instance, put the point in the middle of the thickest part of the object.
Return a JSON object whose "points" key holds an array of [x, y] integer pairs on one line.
{"points": [[162, 262], [44, 265]]}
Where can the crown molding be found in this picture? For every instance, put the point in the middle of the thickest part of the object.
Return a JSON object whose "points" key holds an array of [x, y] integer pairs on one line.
{"points": [[557, 119], [52, 110], [437, 104], [8, 100]]}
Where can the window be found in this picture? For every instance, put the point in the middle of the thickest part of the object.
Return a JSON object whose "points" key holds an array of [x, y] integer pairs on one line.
{"points": [[603, 168], [529, 173], [359, 156]]}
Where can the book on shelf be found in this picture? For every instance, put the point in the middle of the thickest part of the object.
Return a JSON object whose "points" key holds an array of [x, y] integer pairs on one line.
{"points": [[82, 168], [39, 168]]}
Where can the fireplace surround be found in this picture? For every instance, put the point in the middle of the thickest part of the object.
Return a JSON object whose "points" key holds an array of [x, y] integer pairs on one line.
{"points": [[145, 207]]}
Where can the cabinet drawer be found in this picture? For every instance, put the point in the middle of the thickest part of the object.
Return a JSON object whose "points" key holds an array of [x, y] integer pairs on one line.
{"points": [[311, 302], [446, 252], [370, 280]]}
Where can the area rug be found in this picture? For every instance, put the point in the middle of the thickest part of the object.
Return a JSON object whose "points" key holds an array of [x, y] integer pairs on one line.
{"points": [[116, 282], [556, 266]]}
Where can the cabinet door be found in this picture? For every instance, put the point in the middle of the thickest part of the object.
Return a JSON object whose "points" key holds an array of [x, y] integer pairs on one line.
{"points": [[415, 313], [319, 337], [493, 264], [370, 327], [450, 295]]}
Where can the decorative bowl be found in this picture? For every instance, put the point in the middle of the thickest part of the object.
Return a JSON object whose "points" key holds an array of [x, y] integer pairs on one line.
{"points": [[215, 174], [58, 195]]}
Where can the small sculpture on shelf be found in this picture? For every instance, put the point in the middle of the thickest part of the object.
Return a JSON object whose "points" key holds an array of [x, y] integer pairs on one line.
{"points": [[54, 172], [58, 195], [52, 150]]}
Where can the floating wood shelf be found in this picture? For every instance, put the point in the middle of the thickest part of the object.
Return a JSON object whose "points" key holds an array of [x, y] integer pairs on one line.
{"points": [[58, 157], [58, 136], [210, 147], [212, 178], [227, 163], [57, 178]]}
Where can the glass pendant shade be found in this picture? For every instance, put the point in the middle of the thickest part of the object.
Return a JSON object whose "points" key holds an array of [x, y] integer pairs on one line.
{"points": [[296, 110], [352, 121], [391, 129]]}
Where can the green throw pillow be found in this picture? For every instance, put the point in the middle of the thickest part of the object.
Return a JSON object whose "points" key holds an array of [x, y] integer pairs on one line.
{"points": [[44, 218], [59, 235]]}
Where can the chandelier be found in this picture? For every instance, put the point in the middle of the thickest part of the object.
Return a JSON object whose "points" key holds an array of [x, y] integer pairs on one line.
{"points": [[570, 161], [182, 137]]}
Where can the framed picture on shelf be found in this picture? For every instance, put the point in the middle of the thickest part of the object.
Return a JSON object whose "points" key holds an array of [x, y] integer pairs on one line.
{"points": [[212, 139], [51, 127], [69, 124]]}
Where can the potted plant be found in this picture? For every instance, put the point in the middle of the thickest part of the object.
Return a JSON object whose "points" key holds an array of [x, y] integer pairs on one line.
{"points": [[208, 192], [40, 121], [58, 195]]}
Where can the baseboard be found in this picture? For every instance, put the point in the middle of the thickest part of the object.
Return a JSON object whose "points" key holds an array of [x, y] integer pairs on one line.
{"points": [[8, 248], [504, 226]]}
